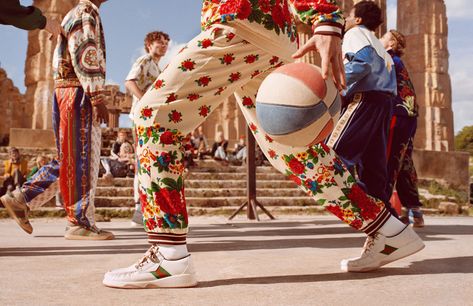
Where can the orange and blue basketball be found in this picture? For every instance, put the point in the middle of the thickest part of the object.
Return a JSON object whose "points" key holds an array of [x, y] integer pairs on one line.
{"points": [[296, 106]]}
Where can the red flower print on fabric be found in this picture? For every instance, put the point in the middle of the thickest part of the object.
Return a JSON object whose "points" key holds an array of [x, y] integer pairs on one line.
{"points": [[158, 84], [166, 138], [205, 43], [296, 166], [193, 97], [175, 116], [230, 36], [274, 60], [187, 65], [268, 138], [219, 91], [272, 154], [204, 110], [295, 179], [265, 5], [146, 113], [255, 74], [241, 7], [170, 201], [336, 210], [235, 76], [368, 207], [278, 17], [204, 81], [250, 59], [357, 223], [227, 59], [253, 128], [172, 97], [248, 102], [151, 224]]}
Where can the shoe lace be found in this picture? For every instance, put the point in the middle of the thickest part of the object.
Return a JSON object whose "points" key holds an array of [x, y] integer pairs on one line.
{"points": [[150, 256], [369, 243]]}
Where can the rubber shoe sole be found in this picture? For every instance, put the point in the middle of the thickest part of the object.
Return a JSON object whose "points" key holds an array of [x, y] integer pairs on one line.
{"points": [[173, 281]]}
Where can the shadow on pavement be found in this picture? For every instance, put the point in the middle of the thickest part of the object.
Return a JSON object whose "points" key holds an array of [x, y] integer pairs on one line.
{"points": [[424, 267]]}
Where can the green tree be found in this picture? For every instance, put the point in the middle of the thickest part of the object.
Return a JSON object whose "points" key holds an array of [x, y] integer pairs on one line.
{"points": [[464, 140]]}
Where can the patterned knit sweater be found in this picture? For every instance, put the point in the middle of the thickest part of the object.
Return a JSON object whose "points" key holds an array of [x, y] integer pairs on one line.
{"points": [[79, 58], [271, 23]]}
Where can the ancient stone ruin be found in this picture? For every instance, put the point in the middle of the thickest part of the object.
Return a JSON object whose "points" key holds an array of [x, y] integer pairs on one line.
{"points": [[423, 22]]}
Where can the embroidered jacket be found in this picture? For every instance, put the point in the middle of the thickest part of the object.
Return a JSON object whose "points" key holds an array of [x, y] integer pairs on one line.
{"points": [[79, 58], [368, 66], [270, 24], [405, 103]]}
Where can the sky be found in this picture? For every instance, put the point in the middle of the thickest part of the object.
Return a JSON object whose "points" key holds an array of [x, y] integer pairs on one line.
{"points": [[126, 23]]}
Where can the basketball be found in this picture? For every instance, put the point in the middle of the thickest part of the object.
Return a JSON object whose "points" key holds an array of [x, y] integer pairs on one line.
{"points": [[296, 106]]}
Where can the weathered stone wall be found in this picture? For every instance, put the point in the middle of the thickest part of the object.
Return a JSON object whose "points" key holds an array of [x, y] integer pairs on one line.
{"points": [[38, 68], [12, 104], [424, 23]]}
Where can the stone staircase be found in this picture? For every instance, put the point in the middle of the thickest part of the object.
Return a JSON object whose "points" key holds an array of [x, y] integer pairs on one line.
{"points": [[210, 188]]}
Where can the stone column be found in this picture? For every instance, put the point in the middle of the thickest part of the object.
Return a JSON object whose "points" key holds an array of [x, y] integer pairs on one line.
{"points": [[424, 23], [38, 68], [227, 119]]}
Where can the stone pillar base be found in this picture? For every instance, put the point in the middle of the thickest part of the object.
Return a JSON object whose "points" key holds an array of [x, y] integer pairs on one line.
{"points": [[28, 138]]}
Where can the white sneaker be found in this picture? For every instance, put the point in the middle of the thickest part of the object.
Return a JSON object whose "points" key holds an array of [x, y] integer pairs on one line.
{"points": [[153, 271], [380, 250]]}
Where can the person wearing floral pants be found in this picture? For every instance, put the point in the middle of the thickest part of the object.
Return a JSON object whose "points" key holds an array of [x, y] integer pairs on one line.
{"points": [[219, 62]]}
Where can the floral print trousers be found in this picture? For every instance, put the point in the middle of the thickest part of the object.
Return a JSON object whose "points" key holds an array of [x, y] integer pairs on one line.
{"points": [[214, 65]]}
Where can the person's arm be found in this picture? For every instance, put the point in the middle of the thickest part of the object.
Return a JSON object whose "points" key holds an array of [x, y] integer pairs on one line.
{"points": [[134, 89], [27, 17], [326, 20], [358, 64], [7, 167], [136, 72], [88, 58], [23, 17]]}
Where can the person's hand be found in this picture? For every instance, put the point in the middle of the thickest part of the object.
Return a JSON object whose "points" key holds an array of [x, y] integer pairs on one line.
{"points": [[54, 27], [330, 49], [102, 113]]}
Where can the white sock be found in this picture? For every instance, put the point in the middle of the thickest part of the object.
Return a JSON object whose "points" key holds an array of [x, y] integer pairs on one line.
{"points": [[392, 227], [173, 251]]}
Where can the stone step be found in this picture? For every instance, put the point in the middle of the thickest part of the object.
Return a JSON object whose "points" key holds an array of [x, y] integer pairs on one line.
{"points": [[279, 182], [233, 176], [107, 213], [191, 183], [207, 192], [238, 184], [212, 202]]}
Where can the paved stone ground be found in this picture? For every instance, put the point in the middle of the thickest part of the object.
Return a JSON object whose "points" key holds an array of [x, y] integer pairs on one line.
{"points": [[291, 261]]}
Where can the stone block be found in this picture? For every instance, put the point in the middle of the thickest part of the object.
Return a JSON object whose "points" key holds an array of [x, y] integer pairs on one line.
{"points": [[447, 168], [27, 138], [449, 208]]}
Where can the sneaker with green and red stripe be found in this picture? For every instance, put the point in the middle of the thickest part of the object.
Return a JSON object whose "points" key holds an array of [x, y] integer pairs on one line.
{"points": [[153, 271]]}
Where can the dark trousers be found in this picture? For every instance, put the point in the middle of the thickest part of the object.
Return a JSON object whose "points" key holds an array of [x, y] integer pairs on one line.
{"points": [[360, 139], [15, 180], [402, 174]]}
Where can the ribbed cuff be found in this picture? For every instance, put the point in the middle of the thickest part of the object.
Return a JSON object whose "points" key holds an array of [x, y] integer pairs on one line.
{"points": [[167, 238], [328, 28], [376, 224]]}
